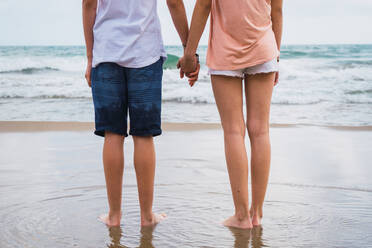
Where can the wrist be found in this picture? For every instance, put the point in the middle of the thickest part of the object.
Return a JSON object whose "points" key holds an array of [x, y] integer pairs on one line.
{"points": [[189, 51], [189, 55]]}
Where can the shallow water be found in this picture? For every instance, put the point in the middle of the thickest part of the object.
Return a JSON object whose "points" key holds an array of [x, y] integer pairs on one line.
{"points": [[52, 190]]}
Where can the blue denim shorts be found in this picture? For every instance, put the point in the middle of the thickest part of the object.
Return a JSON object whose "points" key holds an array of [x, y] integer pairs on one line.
{"points": [[117, 90]]}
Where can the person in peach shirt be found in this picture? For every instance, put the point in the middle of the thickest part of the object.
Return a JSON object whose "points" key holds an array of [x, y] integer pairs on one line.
{"points": [[243, 50]]}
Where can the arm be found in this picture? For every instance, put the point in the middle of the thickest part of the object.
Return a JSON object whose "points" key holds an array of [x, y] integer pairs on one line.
{"points": [[199, 19], [178, 13], [277, 20], [89, 16]]}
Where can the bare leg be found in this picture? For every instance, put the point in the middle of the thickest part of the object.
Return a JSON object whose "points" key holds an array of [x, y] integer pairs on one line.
{"points": [[258, 92], [144, 164], [113, 162], [228, 94]]}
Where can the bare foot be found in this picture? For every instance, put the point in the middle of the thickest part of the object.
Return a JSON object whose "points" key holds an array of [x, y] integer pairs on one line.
{"points": [[155, 219], [234, 221], [256, 218], [110, 220]]}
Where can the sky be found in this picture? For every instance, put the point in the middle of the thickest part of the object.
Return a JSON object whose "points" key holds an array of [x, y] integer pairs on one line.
{"points": [[58, 22]]}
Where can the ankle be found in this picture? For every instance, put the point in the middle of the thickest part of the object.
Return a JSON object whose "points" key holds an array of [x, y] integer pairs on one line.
{"points": [[114, 214], [147, 216], [257, 211], [242, 215]]}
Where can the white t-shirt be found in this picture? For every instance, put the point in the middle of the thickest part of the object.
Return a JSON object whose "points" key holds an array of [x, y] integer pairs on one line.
{"points": [[127, 32]]}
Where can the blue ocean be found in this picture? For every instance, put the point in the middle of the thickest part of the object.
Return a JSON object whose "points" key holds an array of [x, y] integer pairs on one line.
{"points": [[328, 85]]}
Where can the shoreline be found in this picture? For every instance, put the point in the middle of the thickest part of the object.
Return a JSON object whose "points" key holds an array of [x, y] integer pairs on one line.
{"points": [[49, 126]]}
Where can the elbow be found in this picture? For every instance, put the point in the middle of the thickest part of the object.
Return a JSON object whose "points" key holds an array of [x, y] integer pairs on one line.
{"points": [[89, 4], [174, 4], [277, 12]]}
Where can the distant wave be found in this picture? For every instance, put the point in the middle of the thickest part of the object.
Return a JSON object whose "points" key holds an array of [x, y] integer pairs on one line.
{"points": [[357, 62], [350, 64], [43, 97], [187, 100], [358, 102], [293, 54], [296, 103], [29, 70], [182, 99], [57, 96], [359, 92], [166, 99]]}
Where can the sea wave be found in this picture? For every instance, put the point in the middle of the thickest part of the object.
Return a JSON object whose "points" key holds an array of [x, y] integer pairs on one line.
{"points": [[359, 102], [43, 97], [30, 70], [350, 64], [171, 62], [293, 54], [359, 92], [194, 100], [168, 99], [294, 102]]}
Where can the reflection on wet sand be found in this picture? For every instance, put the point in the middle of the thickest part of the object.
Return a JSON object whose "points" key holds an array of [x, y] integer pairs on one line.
{"points": [[116, 233], [243, 237], [146, 237]]}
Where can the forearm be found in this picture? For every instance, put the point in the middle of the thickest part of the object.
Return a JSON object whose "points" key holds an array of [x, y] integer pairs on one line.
{"points": [[199, 19], [277, 20], [178, 13], [89, 16]]}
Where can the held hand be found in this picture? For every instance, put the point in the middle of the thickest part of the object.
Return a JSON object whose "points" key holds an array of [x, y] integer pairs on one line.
{"points": [[193, 76], [190, 66], [188, 63], [88, 72], [182, 74]]}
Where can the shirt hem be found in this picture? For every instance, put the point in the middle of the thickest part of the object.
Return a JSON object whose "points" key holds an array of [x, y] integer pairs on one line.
{"points": [[129, 65], [243, 66]]}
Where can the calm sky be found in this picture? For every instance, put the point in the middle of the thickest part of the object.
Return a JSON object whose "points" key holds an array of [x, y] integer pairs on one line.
{"points": [[58, 22]]}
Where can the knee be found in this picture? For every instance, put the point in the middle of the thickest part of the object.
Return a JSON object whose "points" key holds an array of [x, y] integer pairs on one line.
{"points": [[234, 130], [257, 128], [113, 138], [142, 139]]}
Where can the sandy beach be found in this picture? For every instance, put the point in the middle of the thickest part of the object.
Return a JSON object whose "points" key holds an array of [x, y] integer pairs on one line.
{"points": [[52, 188], [48, 126]]}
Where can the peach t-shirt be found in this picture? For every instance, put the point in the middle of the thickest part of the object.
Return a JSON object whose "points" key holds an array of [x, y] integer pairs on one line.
{"points": [[241, 34]]}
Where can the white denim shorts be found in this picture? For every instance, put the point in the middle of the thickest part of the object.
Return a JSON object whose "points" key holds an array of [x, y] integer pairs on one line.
{"points": [[271, 66]]}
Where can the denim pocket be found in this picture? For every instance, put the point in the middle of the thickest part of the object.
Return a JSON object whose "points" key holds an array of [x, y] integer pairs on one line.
{"points": [[109, 73]]}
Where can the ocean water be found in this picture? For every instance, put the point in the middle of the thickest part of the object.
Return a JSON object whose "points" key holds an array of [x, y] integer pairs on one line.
{"points": [[319, 85]]}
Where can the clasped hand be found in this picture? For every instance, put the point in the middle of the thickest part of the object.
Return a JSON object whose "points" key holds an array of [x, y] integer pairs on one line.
{"points": [[189, 66]]}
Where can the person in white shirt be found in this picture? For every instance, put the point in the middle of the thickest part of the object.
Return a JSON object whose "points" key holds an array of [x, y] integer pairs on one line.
{"points": [[125, 55]]}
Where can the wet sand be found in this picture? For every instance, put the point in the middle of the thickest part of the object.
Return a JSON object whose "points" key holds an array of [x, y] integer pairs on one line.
{"points": [[52, 189], [47, 126]]}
